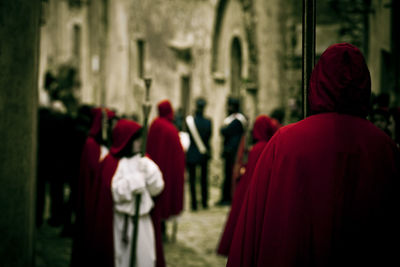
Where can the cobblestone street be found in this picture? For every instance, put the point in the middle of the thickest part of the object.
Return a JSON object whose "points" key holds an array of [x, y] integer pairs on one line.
{"points": [[197, 238]]}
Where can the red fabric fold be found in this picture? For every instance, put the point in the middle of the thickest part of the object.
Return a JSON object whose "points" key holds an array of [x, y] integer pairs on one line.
{"points": [[324, 191], [165, 149], [263, 130]]}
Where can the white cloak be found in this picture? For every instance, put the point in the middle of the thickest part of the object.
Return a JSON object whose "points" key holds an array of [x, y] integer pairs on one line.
{"points": [[135, 175]]}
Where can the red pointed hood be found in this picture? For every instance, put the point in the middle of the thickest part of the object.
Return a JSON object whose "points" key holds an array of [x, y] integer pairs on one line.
{"points": [[96, 124], [165, 110], [340, 82], [264, 128], [122, 133]]}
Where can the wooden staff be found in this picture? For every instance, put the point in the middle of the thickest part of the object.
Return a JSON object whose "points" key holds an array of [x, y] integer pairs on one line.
{"points": [[308, 49], [146, 113]]}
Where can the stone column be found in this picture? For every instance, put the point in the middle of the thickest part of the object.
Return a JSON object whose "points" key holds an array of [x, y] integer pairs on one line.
{"points": [[19, 39]]}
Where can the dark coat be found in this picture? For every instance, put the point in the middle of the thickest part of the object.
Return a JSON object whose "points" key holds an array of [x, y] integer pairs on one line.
{"points": [[204, 127], [232, 134]]}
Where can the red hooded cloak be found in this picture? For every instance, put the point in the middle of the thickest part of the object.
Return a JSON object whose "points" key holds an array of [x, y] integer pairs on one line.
{"points": [[165, 149], [263, 130], [324, 191], [103, 252], [89, 166]]}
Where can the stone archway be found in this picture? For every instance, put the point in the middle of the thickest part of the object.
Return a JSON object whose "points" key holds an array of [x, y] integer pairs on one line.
{"points": [[234, 55], [229, 23]]}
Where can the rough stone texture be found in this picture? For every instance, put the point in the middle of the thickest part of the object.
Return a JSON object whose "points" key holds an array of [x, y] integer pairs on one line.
{"points": [[19, 35]]}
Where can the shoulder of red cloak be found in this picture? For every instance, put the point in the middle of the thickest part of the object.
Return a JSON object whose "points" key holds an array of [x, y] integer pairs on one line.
{"points": [[158, 131], [250, 232], [170, 158], [109, 165], [245, 248], [257, 148], [91, 143]]}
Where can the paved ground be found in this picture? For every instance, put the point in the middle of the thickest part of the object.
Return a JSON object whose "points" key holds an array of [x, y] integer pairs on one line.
{"points": [[197, 237]]}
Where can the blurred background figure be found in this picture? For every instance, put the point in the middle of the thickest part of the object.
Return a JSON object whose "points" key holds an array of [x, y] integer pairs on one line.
{"points": [[232, 131], [199, 153], [165, 149], [380, 114], [60, 144], [94, 150], [278, 116], [263, 130]]}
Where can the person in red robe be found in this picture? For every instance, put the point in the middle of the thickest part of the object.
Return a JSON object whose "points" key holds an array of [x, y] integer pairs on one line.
{"points": [[165, 149], [263, 130], [93, 152], [325, 189]]}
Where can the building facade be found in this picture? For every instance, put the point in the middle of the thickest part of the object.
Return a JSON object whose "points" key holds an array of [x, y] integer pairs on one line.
{"points": [[210, 48]]}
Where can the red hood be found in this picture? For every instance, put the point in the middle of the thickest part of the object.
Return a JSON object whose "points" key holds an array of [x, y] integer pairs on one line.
{"points": [[263, 128], [165, 110], [96, 124], [340, 82], [122, 133]]}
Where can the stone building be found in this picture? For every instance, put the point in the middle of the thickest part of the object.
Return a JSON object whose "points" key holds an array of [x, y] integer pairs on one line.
{"points": [[211, 48], [189, 48]]}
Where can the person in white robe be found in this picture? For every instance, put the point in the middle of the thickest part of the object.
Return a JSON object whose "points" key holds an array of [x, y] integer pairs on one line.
{"points": [[135, 175]]}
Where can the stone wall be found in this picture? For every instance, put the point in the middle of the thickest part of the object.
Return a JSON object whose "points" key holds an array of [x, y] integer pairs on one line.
{"points": [[19, 32]]}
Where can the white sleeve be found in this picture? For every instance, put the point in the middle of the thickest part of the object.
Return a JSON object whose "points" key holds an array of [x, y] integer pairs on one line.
{"points": [[153, 176], [126, 185]]}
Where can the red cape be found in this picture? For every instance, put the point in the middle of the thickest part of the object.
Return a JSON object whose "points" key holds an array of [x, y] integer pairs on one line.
{"points": [[324, 191], [165, 149], [85, 200], [86, 196], [262, 131], [103, 237]]}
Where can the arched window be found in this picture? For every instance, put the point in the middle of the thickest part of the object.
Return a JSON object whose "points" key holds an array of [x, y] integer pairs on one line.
{"points": [[236, 66]]}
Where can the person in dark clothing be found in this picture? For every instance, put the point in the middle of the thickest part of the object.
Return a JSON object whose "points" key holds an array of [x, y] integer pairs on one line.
{"points": [[232, 131], [55, 152], [198, 154]]}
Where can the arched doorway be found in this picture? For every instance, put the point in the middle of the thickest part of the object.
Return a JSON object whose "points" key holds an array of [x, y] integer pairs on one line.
{"points": [[236, 67]]}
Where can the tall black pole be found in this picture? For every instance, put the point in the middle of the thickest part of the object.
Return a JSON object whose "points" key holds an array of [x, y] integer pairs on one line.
{"points": [[308, 49], [146, 113]]}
